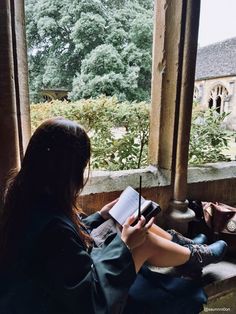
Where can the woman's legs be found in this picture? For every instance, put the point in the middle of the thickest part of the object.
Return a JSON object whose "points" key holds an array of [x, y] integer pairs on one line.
{"points": [[177, 237], [159, 251], [160, 232]]}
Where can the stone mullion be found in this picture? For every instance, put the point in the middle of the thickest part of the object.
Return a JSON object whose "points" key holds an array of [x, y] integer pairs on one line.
{"points": [[21, 73], [166, 81], [174, 59], [181, 214], [14, 106]]}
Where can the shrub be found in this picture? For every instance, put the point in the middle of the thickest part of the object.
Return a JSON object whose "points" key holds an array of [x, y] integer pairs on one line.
{"points": [[208, 138], [119, 131]]}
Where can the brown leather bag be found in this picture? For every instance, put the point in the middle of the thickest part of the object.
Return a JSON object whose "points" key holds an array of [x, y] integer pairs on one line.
{"points": [[221, 219]]}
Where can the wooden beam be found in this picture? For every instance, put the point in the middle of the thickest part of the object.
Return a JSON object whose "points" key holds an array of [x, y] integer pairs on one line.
{"points": [[14, 104], [168, 43], [21, 73], [9, 141]]}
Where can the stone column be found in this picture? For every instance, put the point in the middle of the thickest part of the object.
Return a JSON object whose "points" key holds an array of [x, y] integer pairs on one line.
{"points": [[180, 214], [14, 103], [168, 46], [21, 69]]}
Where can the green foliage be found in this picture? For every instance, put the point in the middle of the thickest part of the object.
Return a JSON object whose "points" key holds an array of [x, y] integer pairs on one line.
{"points": [[89, 32], [101, 73], [208, 137], [119, 131], [66, 37], [133, 146], [141, 32]]}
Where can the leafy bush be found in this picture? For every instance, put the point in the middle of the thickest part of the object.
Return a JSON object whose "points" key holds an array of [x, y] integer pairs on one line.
{"points": [[119, 131], [208, 137]]}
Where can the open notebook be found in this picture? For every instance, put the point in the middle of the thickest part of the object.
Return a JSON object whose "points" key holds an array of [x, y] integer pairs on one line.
{"points": [[128, 203]]}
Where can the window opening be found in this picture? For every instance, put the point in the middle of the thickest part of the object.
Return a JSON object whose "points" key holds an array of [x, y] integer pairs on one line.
{"points": [[47, 98], [210, 103], [218, 104], [101, 53], [218, 95]]}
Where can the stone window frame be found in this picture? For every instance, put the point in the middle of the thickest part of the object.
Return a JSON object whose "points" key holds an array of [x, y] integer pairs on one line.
{"points": [[164, 179], [174, 58], [218, 90], [168, 175]]}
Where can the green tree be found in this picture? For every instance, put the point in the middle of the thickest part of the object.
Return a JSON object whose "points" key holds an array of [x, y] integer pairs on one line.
{"points": [[101, 73], [65, 36]]}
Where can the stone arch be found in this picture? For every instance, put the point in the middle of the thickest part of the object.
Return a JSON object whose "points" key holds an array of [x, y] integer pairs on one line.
{"points": [[47, 97], [54, 93], [217, 97]]}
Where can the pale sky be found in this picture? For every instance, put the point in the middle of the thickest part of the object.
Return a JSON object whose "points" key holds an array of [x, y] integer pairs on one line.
{"points": [[217, 21]]}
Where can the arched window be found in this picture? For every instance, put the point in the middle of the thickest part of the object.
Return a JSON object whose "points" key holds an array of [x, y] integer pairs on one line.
{"points": [[47, 98], [218, 94], [64, 98]]}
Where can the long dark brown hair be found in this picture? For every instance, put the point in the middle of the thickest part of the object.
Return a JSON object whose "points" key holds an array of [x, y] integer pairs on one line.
{"points": [[53, 167]]}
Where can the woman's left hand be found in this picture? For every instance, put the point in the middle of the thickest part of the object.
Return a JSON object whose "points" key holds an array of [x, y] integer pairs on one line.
{"points": [[104, 212], [135, 235]]}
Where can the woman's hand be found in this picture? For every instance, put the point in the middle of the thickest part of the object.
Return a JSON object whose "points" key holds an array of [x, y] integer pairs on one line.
{"points": [[104, 212], [136, 235]]}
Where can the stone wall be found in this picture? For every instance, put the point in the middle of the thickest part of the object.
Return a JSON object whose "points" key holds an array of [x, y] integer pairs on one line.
{"points": [[203, 94], [211, 182]]}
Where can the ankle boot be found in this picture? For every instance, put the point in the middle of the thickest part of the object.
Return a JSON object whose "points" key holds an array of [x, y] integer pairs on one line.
{"points": [[181, 240], [202, 255]]}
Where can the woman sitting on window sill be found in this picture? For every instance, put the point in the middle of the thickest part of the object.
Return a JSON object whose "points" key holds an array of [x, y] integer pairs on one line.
{"points": [[48, 260]]}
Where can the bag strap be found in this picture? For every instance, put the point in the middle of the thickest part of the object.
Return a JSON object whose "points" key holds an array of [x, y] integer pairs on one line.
{"points": [[209, 207], [224, 207]]}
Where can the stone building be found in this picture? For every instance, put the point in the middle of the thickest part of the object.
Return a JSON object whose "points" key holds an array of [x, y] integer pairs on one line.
{"points": [[215, 78], [54, 93]]}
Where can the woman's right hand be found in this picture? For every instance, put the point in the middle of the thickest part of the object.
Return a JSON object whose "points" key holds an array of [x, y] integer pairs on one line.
{"points": [[134, 236]]}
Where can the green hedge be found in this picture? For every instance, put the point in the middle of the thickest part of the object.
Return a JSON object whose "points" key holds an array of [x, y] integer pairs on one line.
{"points": [[119, 131]]}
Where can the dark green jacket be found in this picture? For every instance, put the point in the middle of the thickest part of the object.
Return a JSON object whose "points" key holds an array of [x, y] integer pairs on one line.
{"points": [[58, 274]]}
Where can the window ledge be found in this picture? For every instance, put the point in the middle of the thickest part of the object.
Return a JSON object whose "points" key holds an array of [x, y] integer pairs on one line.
{"points": [[110, 181], [212, 172]]}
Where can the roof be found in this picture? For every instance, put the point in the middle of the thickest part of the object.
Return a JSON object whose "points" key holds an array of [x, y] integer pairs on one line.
{"points": [[216, 60]]}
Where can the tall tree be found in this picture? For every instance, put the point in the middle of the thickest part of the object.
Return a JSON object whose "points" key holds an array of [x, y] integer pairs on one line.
{"points": [[67, 39]]}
